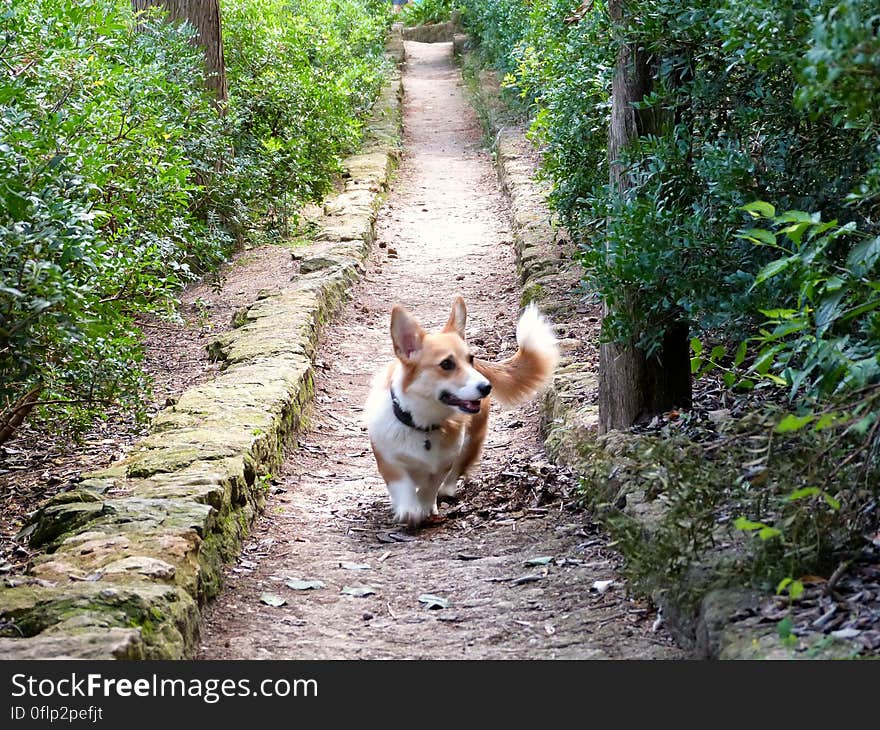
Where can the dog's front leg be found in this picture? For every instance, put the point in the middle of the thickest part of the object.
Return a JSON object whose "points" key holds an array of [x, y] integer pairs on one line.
{"points": [[413, 502]]}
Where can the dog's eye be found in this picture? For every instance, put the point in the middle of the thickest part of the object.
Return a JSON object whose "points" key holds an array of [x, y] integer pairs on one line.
{"points": [[448, 364]]}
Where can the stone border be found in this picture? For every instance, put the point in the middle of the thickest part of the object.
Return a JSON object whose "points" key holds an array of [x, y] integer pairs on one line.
{"points": [[135, 550], [713, 629], [434, 32]]}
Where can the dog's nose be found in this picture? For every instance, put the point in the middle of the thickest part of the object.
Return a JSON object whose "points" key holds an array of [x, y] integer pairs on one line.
{"points": [[485, 389]]}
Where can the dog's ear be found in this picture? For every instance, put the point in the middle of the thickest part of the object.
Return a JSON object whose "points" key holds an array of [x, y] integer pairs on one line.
{"points": [[457, 318], [406, 334]]}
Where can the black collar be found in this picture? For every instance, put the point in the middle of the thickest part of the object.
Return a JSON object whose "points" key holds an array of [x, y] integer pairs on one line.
{"points": [[405, 417]]}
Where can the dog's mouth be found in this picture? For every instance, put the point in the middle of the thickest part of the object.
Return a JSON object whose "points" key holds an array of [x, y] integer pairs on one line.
{"points": [[467, 406]]}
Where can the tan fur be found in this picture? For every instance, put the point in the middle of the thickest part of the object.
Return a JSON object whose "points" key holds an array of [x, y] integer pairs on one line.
{"points": [[516, 379], [428, 391]]}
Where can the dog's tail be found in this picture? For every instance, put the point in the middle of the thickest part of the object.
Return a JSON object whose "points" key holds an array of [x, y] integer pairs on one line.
{"points": [[520, 377]]}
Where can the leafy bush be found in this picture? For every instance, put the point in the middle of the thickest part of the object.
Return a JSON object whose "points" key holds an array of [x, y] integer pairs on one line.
{"points": [[301, 78], [824, 340], [739, 112], [120, 181], [102, 129], [766, 101], [422, 12]]}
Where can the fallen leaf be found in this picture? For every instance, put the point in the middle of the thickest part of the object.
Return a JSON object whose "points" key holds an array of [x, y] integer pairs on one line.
{"points": [[354, 566], [270, 599], [304, 585], [358, 590], [466, 556], [542, 560], [550, 629], [432, 601], [846, 633], [600, 586], [401, 537], [526, 579]]}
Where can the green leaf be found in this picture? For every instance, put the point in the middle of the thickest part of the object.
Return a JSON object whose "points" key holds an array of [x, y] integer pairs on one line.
{"points": [[765, 359], [827, 419], [740, 355], [863, 257], [741, 523], [831, 501], [784, 627], [768, 533], [795, 232], [696, 346], [758, 235], [717, 352], [760, 209], [778, 313], [17, 206], [783, 584], [11, 291], [772, 269], [696, 364], [793, 423], [798, 216], [802, 493]]}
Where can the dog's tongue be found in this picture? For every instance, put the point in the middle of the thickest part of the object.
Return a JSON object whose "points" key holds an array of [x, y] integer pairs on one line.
{"points": [[468, 406]]}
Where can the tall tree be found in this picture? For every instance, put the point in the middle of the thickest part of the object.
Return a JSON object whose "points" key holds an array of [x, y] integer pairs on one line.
{"points": [[204, 16], [633, 385]]}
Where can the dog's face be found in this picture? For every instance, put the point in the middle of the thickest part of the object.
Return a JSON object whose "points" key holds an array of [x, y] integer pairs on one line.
{"points": [[439, 366]]}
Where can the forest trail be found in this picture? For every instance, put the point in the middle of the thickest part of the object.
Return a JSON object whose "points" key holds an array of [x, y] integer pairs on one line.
{"points": [[443, 230]]}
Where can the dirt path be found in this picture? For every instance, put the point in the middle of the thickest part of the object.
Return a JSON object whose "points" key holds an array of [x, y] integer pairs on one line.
{"points": [[444, 230]]}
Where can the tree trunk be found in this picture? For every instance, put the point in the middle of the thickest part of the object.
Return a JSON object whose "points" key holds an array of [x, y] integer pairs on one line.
{"points": [[204, 16], [631, 385], [15, 416]]}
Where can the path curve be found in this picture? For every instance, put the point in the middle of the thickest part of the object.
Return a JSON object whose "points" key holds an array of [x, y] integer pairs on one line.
{"points": [[444, 230]]}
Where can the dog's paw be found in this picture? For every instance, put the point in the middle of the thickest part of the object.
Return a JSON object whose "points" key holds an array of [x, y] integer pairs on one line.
{"points": [[412, 514], [449, 490]]}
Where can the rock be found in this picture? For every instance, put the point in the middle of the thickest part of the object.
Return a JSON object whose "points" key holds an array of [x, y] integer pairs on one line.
{"points": [[141, 565], [460, 44], [113, 643], [430, 33], [317, 263], [54, 521], [717, 608]]}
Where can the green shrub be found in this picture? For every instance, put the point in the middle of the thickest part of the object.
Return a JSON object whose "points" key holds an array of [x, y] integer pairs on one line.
{"points": [[301, 78], [101, 131], [750, 103], [421, 12], [120, 181]]}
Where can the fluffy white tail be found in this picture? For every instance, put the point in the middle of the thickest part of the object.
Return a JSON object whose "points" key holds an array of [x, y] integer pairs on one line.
{"points": [[519, 378]]}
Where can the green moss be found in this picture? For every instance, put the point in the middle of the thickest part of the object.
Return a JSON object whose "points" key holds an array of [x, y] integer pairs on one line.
{"points": [[532, 292]]}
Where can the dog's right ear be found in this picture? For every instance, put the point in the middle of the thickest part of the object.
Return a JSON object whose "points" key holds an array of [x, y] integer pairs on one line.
{"points": [[406, 334]]}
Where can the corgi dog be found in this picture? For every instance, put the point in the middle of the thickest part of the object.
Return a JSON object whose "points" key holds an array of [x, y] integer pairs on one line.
{"points": [[428, 410]]}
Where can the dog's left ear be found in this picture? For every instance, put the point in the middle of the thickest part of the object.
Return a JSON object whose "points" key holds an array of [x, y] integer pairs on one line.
{"points": [[457, 318]]}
